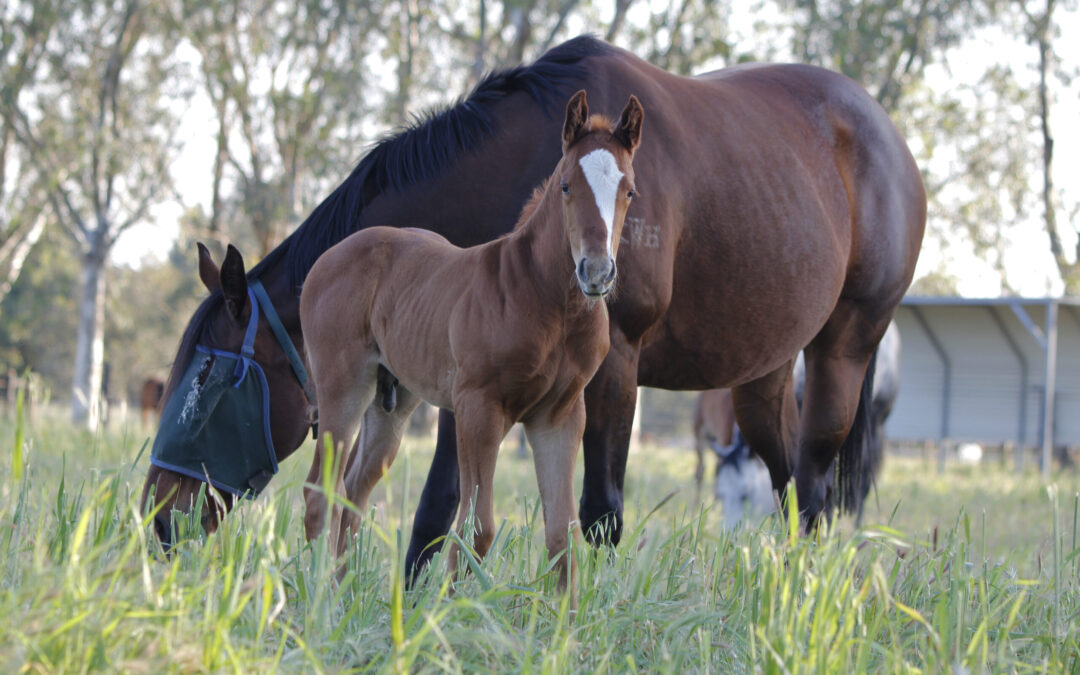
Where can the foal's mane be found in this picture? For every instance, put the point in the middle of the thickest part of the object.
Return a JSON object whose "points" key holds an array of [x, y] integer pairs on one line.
{"points": [[416, 154], [530, 207]]}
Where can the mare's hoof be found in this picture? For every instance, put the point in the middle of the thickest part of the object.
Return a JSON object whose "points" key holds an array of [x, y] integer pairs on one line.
{"points": [[601, 529]]}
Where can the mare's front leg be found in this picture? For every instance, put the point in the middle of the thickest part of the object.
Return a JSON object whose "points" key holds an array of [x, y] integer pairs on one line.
{"points": [[439, 500], [481, 426], [376, 447], [555, 441], [609, 402]]}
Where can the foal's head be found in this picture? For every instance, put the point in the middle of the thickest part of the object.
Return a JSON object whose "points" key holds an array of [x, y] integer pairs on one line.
{"points": [[597, 182]]}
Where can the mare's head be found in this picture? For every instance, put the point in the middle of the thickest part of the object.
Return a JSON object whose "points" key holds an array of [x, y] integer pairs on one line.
{"points": [[596, 176], [229, 412]]}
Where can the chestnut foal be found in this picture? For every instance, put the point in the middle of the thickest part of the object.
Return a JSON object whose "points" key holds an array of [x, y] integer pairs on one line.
{"points": [[499, 333]]}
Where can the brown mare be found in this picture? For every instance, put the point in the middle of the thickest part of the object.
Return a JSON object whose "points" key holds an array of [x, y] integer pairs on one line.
{"points": [[499, 333], [779, 209]]}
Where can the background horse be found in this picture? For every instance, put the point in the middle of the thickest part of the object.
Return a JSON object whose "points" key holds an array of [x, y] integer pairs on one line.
{"points": [[741, 483], [499, 333], [781, 210], [150, 395], [714, 424]]}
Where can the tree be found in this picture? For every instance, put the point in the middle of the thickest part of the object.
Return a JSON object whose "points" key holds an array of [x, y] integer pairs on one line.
{"points": [[96, 127], [885, 45], [684, 35], [22, 218], [1041, 31], [286, 81]]}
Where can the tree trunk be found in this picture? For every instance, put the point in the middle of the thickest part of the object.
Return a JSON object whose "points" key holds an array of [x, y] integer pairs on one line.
{"points": [[18, 254], [90, 344]]}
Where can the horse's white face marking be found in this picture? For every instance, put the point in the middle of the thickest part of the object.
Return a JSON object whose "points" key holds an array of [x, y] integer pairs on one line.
{"points": [[602, 172]]}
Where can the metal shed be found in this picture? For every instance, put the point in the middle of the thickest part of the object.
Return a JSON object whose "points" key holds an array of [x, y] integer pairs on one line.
{"points": [[996, 370]]}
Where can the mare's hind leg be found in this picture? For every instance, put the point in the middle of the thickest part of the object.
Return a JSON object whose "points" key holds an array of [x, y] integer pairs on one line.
{"points": [[555, 445], [376, 447], [481, 426], [345, 391], [769, 420], [836, 363]]}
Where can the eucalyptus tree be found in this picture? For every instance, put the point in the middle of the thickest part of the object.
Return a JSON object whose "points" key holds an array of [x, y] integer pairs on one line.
{"points": [[96, 124], [23, 27], [290, 88], [1042, 31], [885, 45], [684, 36]]}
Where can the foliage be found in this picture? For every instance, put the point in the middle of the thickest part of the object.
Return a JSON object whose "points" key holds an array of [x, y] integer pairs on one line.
{"points": [[289, 86], [41, 340], [84, 586], [147, 309], [884, 45], [95, 127]]}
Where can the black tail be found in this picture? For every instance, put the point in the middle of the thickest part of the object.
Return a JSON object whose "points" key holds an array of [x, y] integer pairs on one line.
{"points": [[860, 455]]}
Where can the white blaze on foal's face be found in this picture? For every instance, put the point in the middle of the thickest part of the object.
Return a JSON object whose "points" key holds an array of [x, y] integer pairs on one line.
{"points": [[603, 175]]}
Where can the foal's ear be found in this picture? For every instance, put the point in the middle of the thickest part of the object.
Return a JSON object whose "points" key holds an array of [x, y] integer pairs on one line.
{"points": [[577, 119], [628, 130], [234, 282], [208, 270]]}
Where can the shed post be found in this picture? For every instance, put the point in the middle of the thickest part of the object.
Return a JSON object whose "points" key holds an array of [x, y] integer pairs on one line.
{"points": [[1049, 390]]}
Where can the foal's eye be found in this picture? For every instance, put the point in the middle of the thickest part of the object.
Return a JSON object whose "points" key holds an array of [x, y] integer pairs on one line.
{"points": [[565, 188], [631, 194]]}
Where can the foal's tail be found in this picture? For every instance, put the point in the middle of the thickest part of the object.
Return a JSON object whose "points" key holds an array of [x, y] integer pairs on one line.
{"points": [[860, 455]]}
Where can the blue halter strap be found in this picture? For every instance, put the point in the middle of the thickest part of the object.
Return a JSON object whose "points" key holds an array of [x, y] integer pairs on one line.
{"points": [[280, 333]]}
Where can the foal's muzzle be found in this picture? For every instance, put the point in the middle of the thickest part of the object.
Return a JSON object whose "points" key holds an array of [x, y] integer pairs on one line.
{"points": [[596, 275]]}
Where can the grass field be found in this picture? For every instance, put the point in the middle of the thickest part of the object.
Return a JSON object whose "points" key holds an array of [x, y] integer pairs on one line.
{"points": [[973, 570]]}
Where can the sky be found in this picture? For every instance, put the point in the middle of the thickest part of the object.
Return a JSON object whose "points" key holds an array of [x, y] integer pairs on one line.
{"points": [[1027, 259]]}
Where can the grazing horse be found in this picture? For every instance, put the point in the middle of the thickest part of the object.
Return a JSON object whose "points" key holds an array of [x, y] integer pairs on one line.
{"points": [[779, 209], [741, 483], [499, 333], [714, 424]]}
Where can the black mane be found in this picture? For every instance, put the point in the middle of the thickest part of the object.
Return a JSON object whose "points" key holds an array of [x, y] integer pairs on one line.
{"points": [[416, 154], [426, 148]]}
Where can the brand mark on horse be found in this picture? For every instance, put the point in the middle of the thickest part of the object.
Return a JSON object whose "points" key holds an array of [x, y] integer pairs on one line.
{"points": [[636, 232]]}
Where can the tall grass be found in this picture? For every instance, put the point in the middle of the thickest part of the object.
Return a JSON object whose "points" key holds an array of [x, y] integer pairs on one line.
{"points": [[84, 586]]}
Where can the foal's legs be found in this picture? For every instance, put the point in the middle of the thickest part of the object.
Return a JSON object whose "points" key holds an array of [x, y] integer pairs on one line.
{"points": [[481, 425], [555, 445], [376, 447], [344, 394], [836, 363], [768, 418]]}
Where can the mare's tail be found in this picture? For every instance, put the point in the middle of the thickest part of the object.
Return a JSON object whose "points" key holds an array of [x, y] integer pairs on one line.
{"points": [[860, 455]]}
